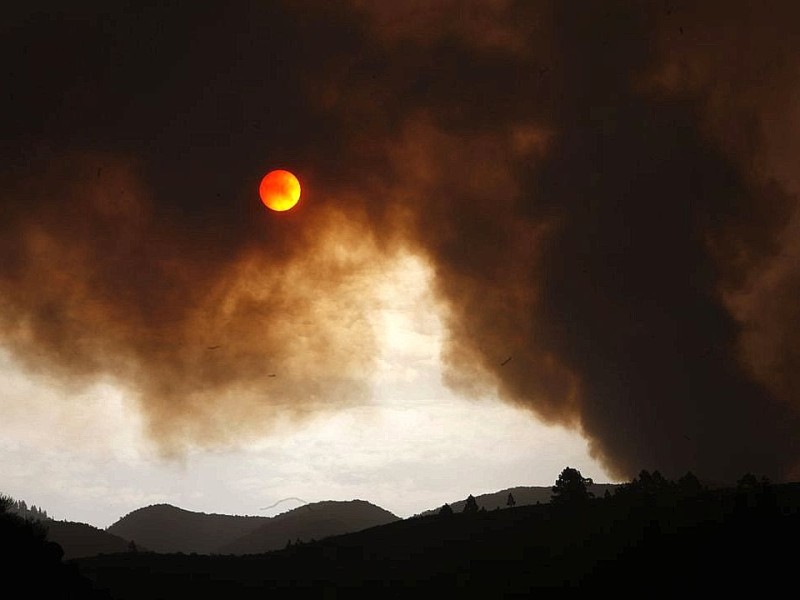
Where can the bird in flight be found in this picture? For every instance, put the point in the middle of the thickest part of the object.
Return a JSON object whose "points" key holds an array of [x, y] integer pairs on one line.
{"points": [[505, 362]]}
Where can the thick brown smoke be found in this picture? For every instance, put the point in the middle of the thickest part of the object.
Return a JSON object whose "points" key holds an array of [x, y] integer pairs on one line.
{"points": [[606, 191], [217, 338]]}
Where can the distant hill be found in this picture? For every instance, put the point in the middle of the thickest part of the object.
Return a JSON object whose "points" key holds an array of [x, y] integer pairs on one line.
{"points": [[166, 528], [312, 521], [79, 540], [523, 496]]}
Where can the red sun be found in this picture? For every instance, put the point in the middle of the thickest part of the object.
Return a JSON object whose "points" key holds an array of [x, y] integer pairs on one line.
{"points": [[279, 190]]}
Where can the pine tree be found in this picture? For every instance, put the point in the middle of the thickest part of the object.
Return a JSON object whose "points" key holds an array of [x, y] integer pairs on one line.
{"points": [[570, 488], [471, 505]]}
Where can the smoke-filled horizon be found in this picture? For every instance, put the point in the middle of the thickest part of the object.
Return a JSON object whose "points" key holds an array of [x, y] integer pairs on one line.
{"points": [[605, 194]]}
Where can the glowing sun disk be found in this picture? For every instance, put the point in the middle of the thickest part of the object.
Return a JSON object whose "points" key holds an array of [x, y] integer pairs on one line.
{"points": [[279, 190]]}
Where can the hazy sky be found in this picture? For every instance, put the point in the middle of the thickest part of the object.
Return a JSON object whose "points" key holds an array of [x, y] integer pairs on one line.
{"points": [[606, 192], [413, 446]]}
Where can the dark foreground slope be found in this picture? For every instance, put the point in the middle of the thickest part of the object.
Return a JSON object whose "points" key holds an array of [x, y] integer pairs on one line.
{"points": [[31, 566], [310, 522], [644, 546]]}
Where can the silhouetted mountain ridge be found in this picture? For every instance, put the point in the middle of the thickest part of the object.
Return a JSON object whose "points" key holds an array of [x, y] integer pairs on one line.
{"points": [[167, 528], [311, 521]]}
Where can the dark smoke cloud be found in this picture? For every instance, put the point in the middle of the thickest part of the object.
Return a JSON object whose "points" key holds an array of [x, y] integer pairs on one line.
{"points": [[606, 193]]}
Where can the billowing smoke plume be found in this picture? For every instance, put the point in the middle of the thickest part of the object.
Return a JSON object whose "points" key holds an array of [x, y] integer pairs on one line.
{"points": [[607, 194]]}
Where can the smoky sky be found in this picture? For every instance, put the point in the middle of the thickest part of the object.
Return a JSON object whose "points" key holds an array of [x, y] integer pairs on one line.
{"points": [[606, 192]]}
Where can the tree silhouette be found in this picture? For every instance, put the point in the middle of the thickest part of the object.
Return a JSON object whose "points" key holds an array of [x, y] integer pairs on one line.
{"points": [[689, 484], [748, 482], [20, 507], [470, 506], [510, 502], [656, 483], [653, 485], [445, 511], [570, 488]]}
